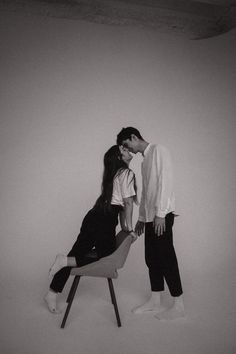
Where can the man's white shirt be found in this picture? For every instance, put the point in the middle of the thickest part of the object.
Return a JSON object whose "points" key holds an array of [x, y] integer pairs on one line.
{"points": [[157, 198]]}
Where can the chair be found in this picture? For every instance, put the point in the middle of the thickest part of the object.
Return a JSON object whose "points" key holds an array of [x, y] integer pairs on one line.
{"points": [[105, 267]]}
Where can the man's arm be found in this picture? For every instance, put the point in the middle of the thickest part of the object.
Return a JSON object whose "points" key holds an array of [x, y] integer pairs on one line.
{"points": [[139, 227], [164, 187]]}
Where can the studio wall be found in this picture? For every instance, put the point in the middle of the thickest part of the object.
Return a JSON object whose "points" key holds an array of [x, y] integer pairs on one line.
{"points": [[67, 88]]}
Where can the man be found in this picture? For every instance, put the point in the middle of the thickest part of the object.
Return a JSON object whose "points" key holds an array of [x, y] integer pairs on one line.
{"points": [[156, 215]]}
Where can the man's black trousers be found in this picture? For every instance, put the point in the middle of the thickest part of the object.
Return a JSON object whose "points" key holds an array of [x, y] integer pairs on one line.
{"points": [[161, 259]]}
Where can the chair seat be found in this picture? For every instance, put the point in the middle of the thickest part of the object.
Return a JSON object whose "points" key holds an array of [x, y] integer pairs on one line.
{"points": [[106, 267], [102, 268]]}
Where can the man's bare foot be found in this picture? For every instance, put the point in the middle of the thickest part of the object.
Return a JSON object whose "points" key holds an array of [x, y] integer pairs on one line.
{"points": [[170, 314], [59, 263], [152, 305], [51, 301], [147, 308], [174, 312]]}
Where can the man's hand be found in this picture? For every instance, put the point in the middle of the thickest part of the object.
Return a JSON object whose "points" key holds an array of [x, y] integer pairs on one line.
{"points": [[159, 225], [139, 228]]}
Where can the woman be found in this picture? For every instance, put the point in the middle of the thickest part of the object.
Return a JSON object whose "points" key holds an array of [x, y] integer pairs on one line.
{"points": [[98, 229]]}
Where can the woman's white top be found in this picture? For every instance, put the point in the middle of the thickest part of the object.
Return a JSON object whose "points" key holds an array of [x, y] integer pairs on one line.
{"points": [[123, 187]]}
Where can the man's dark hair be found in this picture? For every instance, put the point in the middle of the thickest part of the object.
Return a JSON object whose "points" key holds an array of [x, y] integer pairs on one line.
{"points": [[126, 133]]}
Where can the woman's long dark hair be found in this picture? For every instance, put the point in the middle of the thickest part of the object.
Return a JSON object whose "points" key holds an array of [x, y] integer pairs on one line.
{"points": [[113, 166]]}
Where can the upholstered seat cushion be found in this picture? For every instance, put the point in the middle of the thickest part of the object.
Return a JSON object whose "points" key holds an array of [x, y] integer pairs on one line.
{"points": [[106, 267]]}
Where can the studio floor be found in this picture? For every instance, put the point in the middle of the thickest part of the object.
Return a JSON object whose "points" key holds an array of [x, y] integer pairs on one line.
{"points": [[28, 328]]}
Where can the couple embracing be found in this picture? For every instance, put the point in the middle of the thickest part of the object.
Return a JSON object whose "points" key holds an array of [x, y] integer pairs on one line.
{"points": [[156, 219]]}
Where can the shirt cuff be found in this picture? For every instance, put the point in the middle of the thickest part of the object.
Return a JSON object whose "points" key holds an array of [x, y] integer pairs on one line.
{"points": [[161, 214]]}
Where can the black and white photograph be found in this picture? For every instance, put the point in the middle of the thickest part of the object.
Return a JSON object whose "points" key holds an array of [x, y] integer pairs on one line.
{"points": [[117, 179]]}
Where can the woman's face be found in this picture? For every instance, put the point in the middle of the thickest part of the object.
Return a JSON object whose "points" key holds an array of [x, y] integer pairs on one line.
{"points": [[125, 155]]}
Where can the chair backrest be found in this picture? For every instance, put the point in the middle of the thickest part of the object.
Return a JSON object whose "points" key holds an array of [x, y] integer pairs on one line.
{"points": [[107, 266], [120, 237], [123, 243]]}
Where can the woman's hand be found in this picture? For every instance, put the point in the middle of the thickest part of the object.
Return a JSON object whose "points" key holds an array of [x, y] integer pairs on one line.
{"points": [[134, 236], [124, 228]]}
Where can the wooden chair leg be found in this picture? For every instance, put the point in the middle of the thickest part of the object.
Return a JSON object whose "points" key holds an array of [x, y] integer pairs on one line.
{"points": [[70, 299], [71, 290], [113, 300]]}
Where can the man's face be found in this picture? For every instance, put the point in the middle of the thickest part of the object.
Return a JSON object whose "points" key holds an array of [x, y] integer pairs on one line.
{"points": [[131, 144]]}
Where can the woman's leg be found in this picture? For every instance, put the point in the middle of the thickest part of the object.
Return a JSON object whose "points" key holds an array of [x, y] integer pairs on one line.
{"points": [[97, 230], [63, 264], [106, 233], [60, 270], [60, 262], [58, 283]]}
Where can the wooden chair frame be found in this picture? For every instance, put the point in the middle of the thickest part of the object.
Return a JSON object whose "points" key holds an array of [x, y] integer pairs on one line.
{"points": [[72, 293]]}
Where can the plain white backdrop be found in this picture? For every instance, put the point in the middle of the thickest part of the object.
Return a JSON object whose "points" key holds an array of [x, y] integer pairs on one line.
{"points": [[67, 88]]}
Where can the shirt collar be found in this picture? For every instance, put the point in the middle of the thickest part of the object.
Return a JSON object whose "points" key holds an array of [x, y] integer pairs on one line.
{"points": [[146, 150]]}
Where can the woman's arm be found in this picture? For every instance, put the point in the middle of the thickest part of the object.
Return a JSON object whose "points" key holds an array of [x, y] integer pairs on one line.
{"points": [[128, 212], [123, 220]]}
